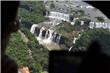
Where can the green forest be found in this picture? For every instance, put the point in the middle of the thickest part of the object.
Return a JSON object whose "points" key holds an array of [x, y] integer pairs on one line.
{"points": [[31, 12], [101, 35], [34, 55], [31, 53]]}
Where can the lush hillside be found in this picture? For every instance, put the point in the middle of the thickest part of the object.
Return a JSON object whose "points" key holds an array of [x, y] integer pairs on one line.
{"points": [[69, 32], [34, 55], [66, 30], [31, 12], [101, 35], [29, 54]]}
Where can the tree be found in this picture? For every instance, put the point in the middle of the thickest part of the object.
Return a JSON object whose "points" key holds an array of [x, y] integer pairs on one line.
{"points": [[101, 19], [101, 35], [31, 12], [36, 59]]}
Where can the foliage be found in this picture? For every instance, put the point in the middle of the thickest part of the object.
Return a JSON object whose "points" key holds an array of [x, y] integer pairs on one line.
{"points": [[66, 29], [101, 19], [30, 54], [79, 27], [17, 49], [28, 34], [31, 11], [101, 35]]}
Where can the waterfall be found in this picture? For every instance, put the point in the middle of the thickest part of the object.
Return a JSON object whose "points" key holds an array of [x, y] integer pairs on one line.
{"points": [[47, 34], [70, 48], [58, 39], [60, 16], [74, 20], [82, 22], [54, 35], [43, 33], [32, 30], [50, 35], [37, 31], [47, 13], [75, 39], [41, 30]]}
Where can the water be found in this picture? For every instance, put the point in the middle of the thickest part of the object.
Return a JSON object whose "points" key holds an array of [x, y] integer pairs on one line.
{"points": [[59, 16], [33, 28], [42, 33]]}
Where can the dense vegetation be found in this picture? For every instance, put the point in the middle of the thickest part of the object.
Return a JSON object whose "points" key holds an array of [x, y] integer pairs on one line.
{"points": [[100, 19], [35, 56], [101, 35], [66, 30], [69, 31], [29, 54], [87, 35], [31, 12]]}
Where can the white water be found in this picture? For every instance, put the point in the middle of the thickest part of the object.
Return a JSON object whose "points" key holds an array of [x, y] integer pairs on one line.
{"points": [[50, 35], [40, 34], [33, 28], [70, 48], [59, 16], [76, 38]]}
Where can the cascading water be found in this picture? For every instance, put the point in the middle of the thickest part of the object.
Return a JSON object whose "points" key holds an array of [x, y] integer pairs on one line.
{"points": [[54, 37], [47, 34], [59, 16], [37, 31], [43, 34], [50, 35], [40, 34], [33, 28], [58, 39], [75, 39]]}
